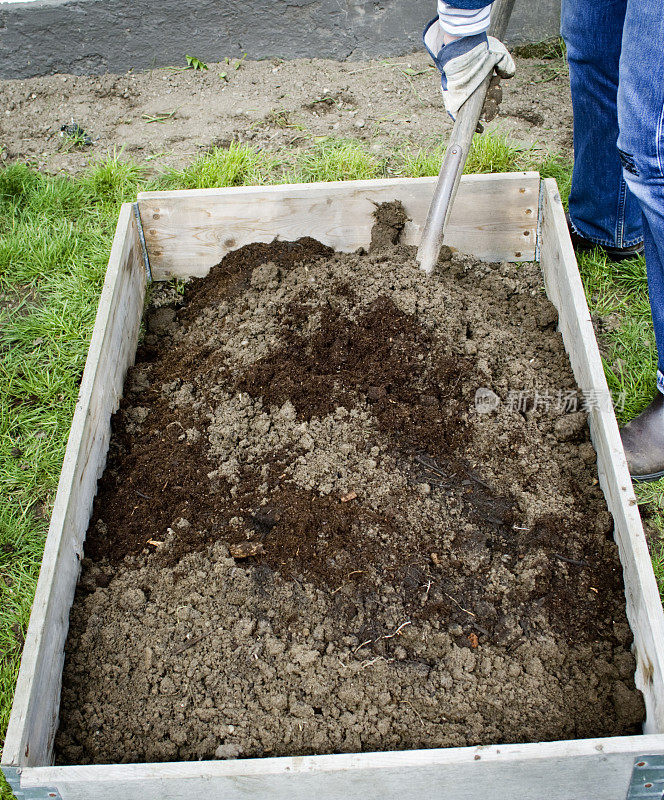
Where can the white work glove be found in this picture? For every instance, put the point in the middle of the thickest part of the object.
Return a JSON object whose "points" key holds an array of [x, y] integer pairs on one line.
{"points": [[465, 63]]}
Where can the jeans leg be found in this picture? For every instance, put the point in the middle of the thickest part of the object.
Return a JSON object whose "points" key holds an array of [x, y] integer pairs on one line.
{"points": [[641, 141], [655, 292], [600, 204]]}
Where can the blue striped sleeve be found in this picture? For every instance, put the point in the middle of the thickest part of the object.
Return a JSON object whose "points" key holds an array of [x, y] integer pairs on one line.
{"points": [[469, 3], [460, 22]]}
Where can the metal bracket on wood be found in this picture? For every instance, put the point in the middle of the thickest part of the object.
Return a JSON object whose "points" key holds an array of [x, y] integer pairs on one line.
{"points": [[647, 779], [141, 236], [13, 776]]}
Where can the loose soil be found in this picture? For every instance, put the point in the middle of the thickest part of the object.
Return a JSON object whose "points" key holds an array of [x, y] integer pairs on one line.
{"points": [[390, 103], [309, 539]]}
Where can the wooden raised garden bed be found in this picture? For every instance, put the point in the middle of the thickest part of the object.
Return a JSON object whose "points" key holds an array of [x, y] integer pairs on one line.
{"points": [[513, 217]]}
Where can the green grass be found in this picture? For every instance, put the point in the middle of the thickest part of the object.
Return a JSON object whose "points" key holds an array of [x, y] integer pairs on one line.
{"points": [[554, 54], [491, 152], [548, 49], [617, 295], [552, 165], [55, 237], [237, 165], [335, 160]]}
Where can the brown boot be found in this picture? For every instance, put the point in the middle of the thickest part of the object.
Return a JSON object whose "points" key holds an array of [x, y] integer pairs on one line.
{"points": [[643, 440]]}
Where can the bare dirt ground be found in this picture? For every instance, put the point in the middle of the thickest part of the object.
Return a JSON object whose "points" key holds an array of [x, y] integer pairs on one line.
{"points": [[390, 103]]}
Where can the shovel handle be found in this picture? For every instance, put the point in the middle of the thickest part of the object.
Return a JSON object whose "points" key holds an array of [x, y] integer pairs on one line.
{"points": [[456, 155]]}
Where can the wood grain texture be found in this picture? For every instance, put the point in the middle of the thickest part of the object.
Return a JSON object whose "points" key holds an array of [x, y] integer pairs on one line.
{"points": [[188, 232], [34, 718], [590, 769], [644, 609]]}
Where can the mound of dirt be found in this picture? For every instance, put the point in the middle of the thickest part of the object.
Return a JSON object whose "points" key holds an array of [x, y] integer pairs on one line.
{"points": [[347, 508]]}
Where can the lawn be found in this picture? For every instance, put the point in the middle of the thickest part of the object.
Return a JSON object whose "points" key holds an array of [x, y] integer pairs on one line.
{"points": [[55, 237]]}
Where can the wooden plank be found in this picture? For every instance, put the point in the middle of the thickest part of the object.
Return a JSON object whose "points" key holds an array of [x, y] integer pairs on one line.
{"points": [[187, 232], [644, 609], [590, 769], [34, 718]]}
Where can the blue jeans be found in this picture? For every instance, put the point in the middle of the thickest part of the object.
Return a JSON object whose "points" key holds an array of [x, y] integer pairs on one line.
{"points": [[616, 61]]}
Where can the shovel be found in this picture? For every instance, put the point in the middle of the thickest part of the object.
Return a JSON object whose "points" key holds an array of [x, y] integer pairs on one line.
{"points": [[456, 154]]}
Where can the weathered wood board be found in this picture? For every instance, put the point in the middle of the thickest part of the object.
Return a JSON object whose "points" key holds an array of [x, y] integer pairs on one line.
{"points": [[591, 769], [186, 234], [644, 609], [34, 718]]}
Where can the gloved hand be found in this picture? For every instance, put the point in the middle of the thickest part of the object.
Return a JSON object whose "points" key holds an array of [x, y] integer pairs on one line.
{"points": [[464, 63]]}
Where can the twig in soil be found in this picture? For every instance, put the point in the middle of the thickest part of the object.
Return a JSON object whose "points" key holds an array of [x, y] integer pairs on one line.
{"points": [[160, 116], [189, 644], [155, 542], [575, 561], [481, 629], [354, 572], [140, 494], [407, 702], [387, 636], [396, 632], [408, 73], [296, 581], [372, 661], [432, 472], [474, 477], [465, 610], [545, 80], [430, 463]]}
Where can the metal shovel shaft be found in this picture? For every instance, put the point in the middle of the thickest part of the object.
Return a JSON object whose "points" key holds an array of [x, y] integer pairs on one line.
{"points": [[456, 155]]}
